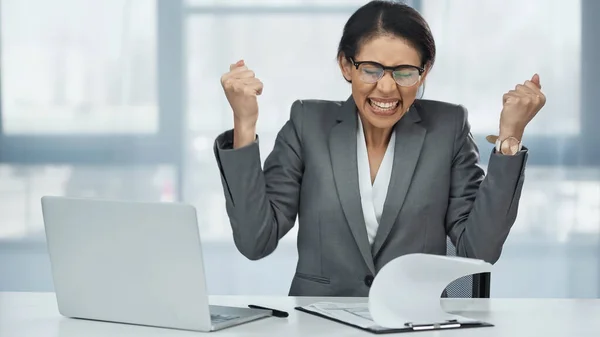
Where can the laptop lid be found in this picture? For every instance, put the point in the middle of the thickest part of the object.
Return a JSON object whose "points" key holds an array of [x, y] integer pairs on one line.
{"points": [[130, 262]]}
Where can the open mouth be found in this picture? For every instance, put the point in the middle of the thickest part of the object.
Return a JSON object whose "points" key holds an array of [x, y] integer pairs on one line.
{"points": [[383, 107]]}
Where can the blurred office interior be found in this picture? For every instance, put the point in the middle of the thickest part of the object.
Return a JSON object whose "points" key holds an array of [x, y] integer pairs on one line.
{"points": [[121, 99]]}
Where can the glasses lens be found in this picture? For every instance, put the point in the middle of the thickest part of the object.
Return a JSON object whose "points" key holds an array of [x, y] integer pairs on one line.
{"points": [[370, 73], [406, 77]]}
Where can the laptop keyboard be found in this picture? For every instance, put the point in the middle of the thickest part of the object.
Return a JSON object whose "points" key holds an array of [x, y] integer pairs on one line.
{"points": [[217, 318]]}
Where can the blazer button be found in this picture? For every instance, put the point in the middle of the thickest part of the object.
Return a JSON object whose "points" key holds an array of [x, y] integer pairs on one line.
{"points": [[369, 280]]}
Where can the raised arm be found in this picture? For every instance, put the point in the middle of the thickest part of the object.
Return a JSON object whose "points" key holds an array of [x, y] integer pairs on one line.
{"points": [[262, 204], [482, 209]]}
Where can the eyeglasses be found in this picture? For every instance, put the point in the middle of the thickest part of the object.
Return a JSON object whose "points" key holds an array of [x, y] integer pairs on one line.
{"points": [[405, 75]]}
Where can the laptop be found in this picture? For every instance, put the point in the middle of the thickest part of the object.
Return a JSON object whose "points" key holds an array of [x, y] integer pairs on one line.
{"points": [[132, 262]]}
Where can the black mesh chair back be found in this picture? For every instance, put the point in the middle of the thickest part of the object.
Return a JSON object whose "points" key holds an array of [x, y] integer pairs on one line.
{"points": [[472, 286]]}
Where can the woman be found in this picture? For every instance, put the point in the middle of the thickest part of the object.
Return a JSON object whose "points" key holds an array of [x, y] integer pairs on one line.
{"points": [[380, 175]]}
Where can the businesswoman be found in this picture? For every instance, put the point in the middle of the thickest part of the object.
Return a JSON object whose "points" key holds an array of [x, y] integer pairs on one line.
{"points": [[377, 176]]}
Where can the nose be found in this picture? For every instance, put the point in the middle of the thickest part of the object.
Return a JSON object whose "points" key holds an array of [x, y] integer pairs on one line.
{"points": [[386, 84]]}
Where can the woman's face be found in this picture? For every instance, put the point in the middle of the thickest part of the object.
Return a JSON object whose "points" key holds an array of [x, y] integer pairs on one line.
{"points": [[382, 97]]}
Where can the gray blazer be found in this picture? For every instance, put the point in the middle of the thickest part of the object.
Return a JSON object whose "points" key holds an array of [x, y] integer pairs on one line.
{"points": [[436, 190]]}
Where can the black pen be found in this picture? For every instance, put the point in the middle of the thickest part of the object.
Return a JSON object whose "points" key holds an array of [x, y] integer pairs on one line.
{"points": [[276, 313]]}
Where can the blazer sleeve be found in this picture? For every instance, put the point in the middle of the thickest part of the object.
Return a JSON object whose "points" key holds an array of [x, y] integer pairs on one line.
{"points": [[262, 204], [482, 208]]}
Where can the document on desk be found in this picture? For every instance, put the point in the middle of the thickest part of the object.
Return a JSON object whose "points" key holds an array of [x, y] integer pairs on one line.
{"points": [[358, 315], [405, 296], [354, 314]]}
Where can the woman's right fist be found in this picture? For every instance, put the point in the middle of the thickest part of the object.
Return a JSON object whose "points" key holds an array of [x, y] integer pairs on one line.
{"points": [[241, 88]]}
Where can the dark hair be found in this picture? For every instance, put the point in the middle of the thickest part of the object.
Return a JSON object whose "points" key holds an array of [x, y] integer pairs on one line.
{"points": [[378, 18]]}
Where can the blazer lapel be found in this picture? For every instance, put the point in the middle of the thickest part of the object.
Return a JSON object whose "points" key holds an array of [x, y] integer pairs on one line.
{"points": [[409, 140], [342, 147]]}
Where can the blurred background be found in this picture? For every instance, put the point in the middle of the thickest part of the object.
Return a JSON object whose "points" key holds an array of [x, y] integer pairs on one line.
{"points": [[121, 99]]}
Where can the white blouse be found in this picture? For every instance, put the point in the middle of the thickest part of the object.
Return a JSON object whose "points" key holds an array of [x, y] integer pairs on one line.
{"points": [[373, 195]]}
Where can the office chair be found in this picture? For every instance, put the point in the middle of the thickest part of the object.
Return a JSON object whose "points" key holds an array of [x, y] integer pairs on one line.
{"points": [[472, 286]]}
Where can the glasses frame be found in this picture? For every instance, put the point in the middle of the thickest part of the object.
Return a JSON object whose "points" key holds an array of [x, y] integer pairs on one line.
{"points": [[390, 69]]}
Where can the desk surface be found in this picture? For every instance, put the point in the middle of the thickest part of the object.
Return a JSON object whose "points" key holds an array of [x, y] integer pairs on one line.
{"points": [[36, 315]]}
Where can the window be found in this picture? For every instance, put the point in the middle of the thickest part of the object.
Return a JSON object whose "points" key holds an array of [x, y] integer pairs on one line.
{"points": [[476, 67], [129, 108], [22, 186], [61, 79], [82, 113], [85, 95]]}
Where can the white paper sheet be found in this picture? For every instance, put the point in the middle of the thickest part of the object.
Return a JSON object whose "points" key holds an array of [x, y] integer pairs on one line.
{"points": [[353, 313], [409, 288], [406, 290]]}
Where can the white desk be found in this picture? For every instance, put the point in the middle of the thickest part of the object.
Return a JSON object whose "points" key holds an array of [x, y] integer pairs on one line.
{"points": [[35, 315]]}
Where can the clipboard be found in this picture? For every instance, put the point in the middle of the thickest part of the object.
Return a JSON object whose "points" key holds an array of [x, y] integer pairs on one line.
{"points": [[405, 296], [409, 327]]}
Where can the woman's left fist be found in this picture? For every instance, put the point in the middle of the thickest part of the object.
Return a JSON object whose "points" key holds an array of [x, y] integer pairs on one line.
{"points": [[520, 106]]}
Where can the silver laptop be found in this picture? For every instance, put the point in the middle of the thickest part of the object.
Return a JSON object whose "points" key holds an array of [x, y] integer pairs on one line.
{"points": [[132, 262]]}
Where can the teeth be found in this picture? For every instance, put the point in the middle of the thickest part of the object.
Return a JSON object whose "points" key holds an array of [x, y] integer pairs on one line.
{"points": [[384, 105]]}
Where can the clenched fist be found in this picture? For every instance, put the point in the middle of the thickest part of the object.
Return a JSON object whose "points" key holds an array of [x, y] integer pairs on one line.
{"points": [[519, 106], [241, 89]]}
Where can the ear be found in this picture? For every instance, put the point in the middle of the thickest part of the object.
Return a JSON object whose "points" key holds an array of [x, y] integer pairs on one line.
{"points": [[423, 80], [425, 73], [345, 67]]}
